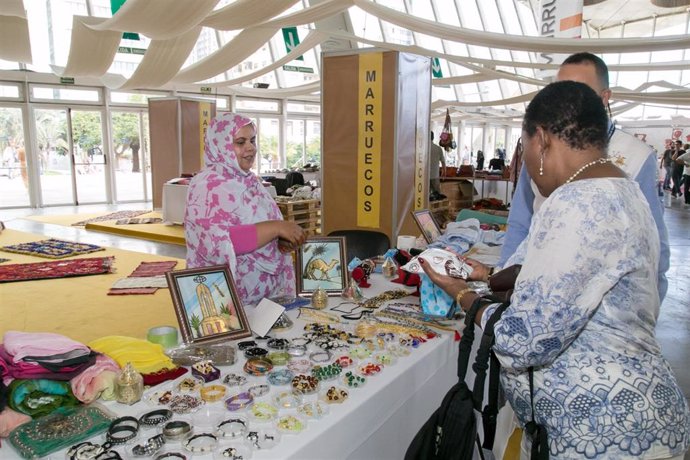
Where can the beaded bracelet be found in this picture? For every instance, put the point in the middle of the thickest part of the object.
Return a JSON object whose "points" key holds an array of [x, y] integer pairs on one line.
{"points": [[175, 430], [384, 359], [234, 380], [277, 344], [299, 366], [280, 377], [297, 350], [184, 404], [232, 428], [287, 400], [258, 391], [208, 446], [263, 411], [212, 393], [313, 409], [352, 380], [300, 341], [290, 424], [246, 345], [344, 361], [156, 417], [336, 395], [304, 384], [326, 372], [239, 401], [369, 369], [320, 356], [279, 358], [256, 352]]}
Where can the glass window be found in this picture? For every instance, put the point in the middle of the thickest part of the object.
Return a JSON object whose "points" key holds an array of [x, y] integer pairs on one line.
{"points": [[10, 91], [268, 134], [61, 93], [303, 107], [14, 179], [133, 98], [262, 105], [221, 102]]}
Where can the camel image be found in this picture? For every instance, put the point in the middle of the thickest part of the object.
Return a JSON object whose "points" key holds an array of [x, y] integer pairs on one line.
{"points": [[315, 265]]}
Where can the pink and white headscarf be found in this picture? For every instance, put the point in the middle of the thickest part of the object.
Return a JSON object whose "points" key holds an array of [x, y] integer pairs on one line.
{"points": [[222, 196]]}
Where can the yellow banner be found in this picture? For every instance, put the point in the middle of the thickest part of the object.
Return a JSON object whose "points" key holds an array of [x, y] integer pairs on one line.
{"points": [[204, 121], [370, 116]]}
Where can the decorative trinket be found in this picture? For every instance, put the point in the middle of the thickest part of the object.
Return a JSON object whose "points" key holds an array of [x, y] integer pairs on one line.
{"points": [[389, 268], [352, 291], [319, 298], [129, 386]]}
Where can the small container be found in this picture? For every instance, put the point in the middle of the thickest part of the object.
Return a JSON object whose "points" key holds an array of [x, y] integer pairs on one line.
{"points": [[129, 386], [319, 298]]}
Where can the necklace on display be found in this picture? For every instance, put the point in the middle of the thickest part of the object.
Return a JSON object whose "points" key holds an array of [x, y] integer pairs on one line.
{"points": [[591, 163]]}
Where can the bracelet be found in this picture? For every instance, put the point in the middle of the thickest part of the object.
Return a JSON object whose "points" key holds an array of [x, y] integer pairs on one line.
{"points": [[108, 455], [462, 292], [258, 391], [152, 446], [300, 341], [304, 384], [84, 451], [234, 380], [239, 401], [277, 344], [491, 273], [246, 345], [258, 366], [255, 352], [263, 411], [232, 454], [175, 430], [280, 377], [170, 455], [279, 358], [184, 404], [299, 366], [297, 350], [212, 393], [320, 356], [207, 446], [155, 417], [127, 424], [232, 428], [189, 384]]}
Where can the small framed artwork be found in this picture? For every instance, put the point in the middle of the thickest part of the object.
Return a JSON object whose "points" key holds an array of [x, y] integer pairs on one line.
{"points": [[427, 224], [320, 263], [206, 304]]}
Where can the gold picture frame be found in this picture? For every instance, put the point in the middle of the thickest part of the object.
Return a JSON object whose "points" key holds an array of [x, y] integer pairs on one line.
{"points": [[321, 263]]}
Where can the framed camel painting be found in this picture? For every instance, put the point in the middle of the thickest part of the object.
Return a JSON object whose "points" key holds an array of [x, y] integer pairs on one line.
{"points": [[320, 263]]}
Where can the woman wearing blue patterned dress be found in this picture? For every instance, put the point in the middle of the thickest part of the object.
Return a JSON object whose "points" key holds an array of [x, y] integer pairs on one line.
{"points": [[585, 303]]}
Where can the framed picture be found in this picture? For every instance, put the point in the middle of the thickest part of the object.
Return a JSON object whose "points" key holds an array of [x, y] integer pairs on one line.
{"points": [[427, 224], [321, 264], [207, 305]]}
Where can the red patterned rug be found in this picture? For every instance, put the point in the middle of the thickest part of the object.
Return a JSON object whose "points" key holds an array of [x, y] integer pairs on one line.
{"points": [[145, 269], [56, 269]]}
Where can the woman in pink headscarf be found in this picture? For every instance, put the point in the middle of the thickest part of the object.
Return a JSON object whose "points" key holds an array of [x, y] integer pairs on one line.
{"points": [[231, 219]]}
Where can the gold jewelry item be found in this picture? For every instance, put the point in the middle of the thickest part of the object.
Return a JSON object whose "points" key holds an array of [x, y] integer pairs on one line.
{"points": [[212, 393], [462, 292]]}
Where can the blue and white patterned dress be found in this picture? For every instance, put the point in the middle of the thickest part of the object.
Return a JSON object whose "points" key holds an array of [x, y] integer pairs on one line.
{"points": [[583, 315]]}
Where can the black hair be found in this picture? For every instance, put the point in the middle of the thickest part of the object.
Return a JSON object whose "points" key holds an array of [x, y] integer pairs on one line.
{"points": [[600, 66], [571, 111]]}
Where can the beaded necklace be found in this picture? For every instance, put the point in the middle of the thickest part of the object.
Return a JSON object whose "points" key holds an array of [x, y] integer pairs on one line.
{"points": [[600, 161]]}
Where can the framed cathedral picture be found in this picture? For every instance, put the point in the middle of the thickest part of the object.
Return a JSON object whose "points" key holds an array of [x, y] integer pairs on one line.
{"points": [[321, 263], [206, 304]]}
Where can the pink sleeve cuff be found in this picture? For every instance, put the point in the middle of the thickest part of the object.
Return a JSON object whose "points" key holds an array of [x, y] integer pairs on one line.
{"points": [[244, 238]]}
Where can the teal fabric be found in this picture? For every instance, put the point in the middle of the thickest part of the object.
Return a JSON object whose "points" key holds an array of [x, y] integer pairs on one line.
{"points": [[482, 217], [40, 397]]}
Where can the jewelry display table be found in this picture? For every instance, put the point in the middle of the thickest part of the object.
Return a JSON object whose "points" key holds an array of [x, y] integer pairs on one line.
{"points": [[377, 420]]}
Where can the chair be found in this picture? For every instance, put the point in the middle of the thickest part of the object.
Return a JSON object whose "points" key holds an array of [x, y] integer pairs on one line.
{"points": [[363, 243]]}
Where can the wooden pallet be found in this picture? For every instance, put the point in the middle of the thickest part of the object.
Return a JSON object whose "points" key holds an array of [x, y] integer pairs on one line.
{"points": [[440, 205], [292, 209]]}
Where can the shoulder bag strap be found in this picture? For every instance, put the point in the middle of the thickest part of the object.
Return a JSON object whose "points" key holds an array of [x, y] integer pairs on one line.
{"points": [[538, 434]]}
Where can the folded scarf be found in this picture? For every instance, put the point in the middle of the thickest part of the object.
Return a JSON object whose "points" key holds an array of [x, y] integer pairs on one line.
{"points": [[40, 397], [146, 357], [21, 344], [98, 381], [31, 370]]}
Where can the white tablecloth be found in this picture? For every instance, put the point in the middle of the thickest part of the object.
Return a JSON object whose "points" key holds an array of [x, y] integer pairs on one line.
{"points": [[378, 421]]}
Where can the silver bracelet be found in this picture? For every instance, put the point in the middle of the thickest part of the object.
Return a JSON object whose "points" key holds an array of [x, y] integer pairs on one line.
{"points": [[232, 428], [210, 443], [175, 430]]}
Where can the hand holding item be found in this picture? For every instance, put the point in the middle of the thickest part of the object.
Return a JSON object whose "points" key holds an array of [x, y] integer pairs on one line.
{"points": [[449, 284], [442, 261], [285, 246], [291, 233], [480, 272]]}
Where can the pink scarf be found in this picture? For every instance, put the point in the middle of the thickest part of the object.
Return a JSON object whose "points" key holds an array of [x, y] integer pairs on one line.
{"points": [[221, 196]]}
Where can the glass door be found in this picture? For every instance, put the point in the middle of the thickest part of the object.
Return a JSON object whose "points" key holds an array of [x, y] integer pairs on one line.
{"points": [[132, 159], [14, 180], [72, 165]]}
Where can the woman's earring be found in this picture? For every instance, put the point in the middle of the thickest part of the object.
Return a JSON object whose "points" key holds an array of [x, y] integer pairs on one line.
{"points": [[541, 165]]}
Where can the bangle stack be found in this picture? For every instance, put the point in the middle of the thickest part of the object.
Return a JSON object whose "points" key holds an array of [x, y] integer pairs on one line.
{"points": [[258, 366], [122, 429], [155, 417], [176, 430]]}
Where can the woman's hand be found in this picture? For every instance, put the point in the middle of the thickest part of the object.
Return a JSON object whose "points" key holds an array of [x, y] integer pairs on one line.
{"points": [[291, 233], [451, 285], [285, 246], [480, 272]]}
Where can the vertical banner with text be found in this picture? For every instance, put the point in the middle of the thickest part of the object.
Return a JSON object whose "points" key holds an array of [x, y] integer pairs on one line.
{"points": [[369, 132], [558, 19], [204, 121]]}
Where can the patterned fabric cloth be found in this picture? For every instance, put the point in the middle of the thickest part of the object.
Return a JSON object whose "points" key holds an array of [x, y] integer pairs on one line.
{"points": [[3, 260], [52, 248], [56, 269], [583, 315], [139, 220], [221, 196], [144, 270], [112, 216]]}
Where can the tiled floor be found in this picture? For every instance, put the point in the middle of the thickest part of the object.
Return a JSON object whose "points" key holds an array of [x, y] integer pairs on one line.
{"points": [[673, 328]]}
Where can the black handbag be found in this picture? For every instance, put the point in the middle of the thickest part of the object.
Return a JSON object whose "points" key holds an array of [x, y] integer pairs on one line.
{"points": [[451, 431]]}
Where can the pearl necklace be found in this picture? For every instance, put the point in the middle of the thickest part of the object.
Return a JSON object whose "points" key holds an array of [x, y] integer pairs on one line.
{"points": [[600, 161]]}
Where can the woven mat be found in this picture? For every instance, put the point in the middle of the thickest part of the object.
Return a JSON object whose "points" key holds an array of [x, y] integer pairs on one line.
{"points": [[52, 248], [112, 216], [56, 269]]}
